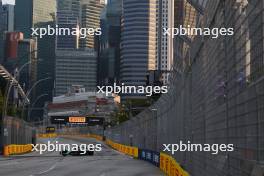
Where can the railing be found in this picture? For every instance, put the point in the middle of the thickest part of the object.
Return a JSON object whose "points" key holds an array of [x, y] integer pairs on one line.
{"points": [[17, 149]]}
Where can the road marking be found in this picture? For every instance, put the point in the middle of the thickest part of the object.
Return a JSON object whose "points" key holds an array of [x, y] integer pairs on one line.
{"points": [[9, 163], [49, 169]]}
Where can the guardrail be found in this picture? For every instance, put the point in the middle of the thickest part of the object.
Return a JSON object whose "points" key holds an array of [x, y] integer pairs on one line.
{"points": [[164, 161], [100, 138], [17, 149], [128, 150], [170, 166], [47, 135], [53, 135], [16, 131]]}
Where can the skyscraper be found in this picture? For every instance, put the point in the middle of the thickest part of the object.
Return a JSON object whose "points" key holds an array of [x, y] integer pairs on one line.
{"points": [[1, 33], [75, 67], [1, 11], [185, 15], [8, 13], [138, 41], [28, 76], [69, 5], [35, 14], [29, 14], [109, 43], [6, 24], [165, 19], [68, 16], [1, 15], [91, 10]]}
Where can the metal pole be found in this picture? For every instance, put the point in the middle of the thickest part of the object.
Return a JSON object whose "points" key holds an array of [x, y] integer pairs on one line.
{"points": [[33, 104], [155, 137], [34, 85], [11, 81], [10, 85]]}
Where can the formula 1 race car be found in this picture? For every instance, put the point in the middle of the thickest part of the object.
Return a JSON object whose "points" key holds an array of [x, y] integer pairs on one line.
{"points": [[79, 152]]}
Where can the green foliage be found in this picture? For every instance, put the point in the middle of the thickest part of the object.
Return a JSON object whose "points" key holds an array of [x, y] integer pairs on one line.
{"points": [[3, 84], [12, 110], [131, 108]]}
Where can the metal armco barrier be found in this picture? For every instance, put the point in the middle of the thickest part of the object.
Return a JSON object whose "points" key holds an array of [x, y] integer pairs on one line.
{"points": [[170, 166], [54, 135], [128, 150], [99, 138], [17, 149], [47, 135], [165, 162]]}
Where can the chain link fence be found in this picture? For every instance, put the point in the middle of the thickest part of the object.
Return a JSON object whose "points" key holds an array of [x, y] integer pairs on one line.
{"points": [[216, 96], [16, 131]]}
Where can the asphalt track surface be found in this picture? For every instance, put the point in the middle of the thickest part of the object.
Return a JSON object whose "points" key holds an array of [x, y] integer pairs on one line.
{"points": [[107, 162]]}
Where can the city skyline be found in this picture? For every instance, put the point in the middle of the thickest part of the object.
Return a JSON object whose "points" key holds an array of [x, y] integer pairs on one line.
{"points": [[167, 87], [14, 1]]}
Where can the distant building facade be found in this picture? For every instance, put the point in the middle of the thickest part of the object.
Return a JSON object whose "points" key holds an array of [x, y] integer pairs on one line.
{"points": [[109, 44], [165, 19], [1, 33], [79, 102], [9, 16], [90, 18], [6, 24], [68, 16], [75, 64], [35, 14], [75, 67], [138, 41]]}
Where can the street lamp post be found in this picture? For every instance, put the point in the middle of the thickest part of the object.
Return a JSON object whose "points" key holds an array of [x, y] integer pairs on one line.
{"points": [[33, 104], [34, 85], [155, 132], [10, 82]]}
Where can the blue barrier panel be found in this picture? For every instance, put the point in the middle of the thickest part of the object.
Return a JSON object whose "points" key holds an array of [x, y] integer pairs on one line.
{"points": [[150, 156]]}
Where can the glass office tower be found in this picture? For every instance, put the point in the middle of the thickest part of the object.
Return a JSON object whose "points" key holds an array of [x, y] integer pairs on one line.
{"points": [[39, 13], [74, 66], [109, 44], [138, 41], [91, 11], [68, 16]]}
